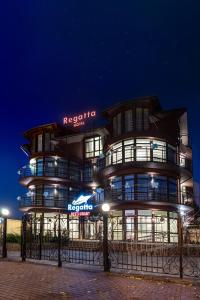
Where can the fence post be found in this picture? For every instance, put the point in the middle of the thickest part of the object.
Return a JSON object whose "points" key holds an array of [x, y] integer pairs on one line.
{"points": [[4, 250], [106, 261], [23, 246], [180, 245], [59, 243], [41, 236]]}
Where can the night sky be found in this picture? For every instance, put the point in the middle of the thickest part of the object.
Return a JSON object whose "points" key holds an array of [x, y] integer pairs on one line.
{"points": [[62, 57]]}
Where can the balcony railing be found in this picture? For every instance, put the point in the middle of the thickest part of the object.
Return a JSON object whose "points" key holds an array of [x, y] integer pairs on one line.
{"points": [[118, 195], [183, 163], [41, 201], [50, 170]]}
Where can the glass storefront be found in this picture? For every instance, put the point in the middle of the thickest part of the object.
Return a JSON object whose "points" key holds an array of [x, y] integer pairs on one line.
{"points": [[142, 226]]}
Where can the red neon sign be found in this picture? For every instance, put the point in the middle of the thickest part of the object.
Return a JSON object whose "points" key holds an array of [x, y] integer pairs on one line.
{"points": [[79, 120], [81, 214]]}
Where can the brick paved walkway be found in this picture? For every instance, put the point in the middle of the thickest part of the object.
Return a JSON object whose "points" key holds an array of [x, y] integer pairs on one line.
{"points": [[33, 281]]}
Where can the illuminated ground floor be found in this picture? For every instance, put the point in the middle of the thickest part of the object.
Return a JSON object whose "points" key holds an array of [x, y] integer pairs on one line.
{"points": [[130, 225]]}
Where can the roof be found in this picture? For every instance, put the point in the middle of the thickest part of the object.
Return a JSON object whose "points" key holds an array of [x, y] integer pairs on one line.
{"points": [[151, 100]]}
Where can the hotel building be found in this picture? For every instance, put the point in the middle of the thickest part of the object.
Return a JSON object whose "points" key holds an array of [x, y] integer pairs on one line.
{"points": [[140, 162]]}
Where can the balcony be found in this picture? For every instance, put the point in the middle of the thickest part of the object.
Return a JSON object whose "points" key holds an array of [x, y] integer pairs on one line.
{"points": [[132, 194], [39, 201], [118, 195], [60, 170], [184, 164]]}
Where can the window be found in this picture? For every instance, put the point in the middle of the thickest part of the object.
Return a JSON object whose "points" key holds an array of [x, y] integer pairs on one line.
{"points": [[143, 150], [129, 187], [139, 118], [93, 147], [117, 125], [128, 120], [74, 171], [43, 142], [146, 118], [116, 188], [74, 228], [159, 150], [172, 190], [129, 150], [130, 225], [88, 173], [115, 226], [47, 142], [39, 143], [142, 118], [117, 153]]}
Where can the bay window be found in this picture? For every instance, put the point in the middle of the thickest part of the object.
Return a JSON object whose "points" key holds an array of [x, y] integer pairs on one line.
{"points": [[141, 149]]}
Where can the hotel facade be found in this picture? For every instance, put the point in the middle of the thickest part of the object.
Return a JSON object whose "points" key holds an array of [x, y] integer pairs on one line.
{"points": [[140, 163]]}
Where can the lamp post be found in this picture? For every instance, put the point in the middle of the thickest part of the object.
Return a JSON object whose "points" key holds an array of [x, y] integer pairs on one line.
{"points": [[5, 213], [106, 262]]}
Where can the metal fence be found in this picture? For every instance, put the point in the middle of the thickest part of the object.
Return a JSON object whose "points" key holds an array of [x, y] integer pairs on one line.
{"points": [[1, 237], [50, 239]]}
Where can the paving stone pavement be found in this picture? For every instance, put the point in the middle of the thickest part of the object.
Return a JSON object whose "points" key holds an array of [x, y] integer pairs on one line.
{"points": [[24, 281]]}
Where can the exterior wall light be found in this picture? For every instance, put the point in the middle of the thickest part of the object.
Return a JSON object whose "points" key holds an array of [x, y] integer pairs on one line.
{"points": [[105, 207]]}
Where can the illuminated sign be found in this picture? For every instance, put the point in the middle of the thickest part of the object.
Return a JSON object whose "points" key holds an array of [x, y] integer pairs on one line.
{"points": [[81, 214], [80, 204], [79, 120], [77, 208], [81, 199]]}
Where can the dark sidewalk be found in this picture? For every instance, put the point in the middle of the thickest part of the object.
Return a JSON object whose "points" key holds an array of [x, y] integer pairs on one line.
{"points": [[34, 281]]}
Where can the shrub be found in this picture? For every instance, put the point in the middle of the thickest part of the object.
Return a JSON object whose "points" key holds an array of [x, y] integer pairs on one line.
{"points": [[13, 238]]}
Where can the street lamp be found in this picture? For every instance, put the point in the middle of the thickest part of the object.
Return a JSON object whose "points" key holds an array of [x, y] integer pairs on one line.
{"points": [[105, 207], [106, 261], [5, 213]]}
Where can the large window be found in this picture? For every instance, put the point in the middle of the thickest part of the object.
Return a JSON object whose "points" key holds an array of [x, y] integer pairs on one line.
{"points": [[93, 147], [140, 149], [144, 187]]}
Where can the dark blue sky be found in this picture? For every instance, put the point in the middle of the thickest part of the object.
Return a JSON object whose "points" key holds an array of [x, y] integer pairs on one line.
{"points": [[58, 57]]}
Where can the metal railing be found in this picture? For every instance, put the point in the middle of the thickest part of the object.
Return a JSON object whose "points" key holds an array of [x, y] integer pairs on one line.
{"points": [[50, 170], [42, 201], [183, 161], [131, 194]]}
